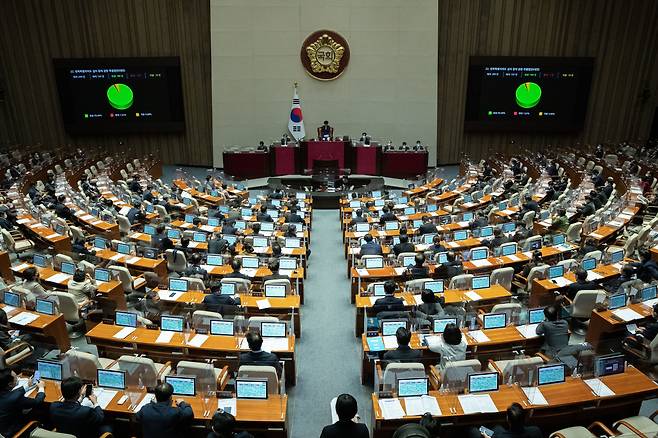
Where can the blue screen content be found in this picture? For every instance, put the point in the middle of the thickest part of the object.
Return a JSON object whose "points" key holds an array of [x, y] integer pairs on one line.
{"points": [[287, 264], [111, 379], [292, 242], [99, 242], [440, 324], [390, 327], [408, 260], [189, 218], [214, 260], [460, 235], [123, 248], [199, 237], [12, 299], [378, 290], [251, 389], [434, 286], [558, 239], [479, 254], [481, 282], [467, 217], [486, 231], [50, 370], [182, 385], [101, 275], [178, 285], [275, 290], [273, 329], [589, 264], [494, 320], [550, 374], [125, 319], [171, 324], [45, 307], [616, 257], [412, 387], [509, 227], [442, 257], [173, 234], [267, 226], [260, 242], [648, 293], [391, 226], [374, 263], [508, 250], [555, 271], [149, 229], [39, 260], [250, 262], [68, 268], [227, 289], [223, 328], [482, 382], [213, 222], [617, 301], [535, 316]]}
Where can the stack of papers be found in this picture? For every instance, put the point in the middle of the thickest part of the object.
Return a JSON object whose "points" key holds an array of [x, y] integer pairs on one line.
{"points": [[121, 334], [249, 272], [561, 281], [481, 263], [400, 270], [591, 276], [391, 408], [599, 388], [363, 272], [476, 403], [375, 343], [60, 277], [164, 337], [133, 260], [478, 336], [535, 397], [104, 396], [275, 344], [167, 295], [528, 331], [422, 404], [263, 304], [117, 257], [146, 400], [287, 251], [21, 266], [390, 342], [24, 318], [627, 314], [8, 309], [513, 258], [473, 296], [197, 340]]}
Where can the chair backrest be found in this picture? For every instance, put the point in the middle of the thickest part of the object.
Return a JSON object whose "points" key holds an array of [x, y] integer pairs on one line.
{"points": [[371, 256], [454, 372], [530, 241], [510, 365], [568, 263], [503, 277], [194, 283], [8, 240], [67, 306], [415, 285], [206, 378], [653, 347], [596, 254], [395, 371], [261, 372], [83, 364], [528, 218], [536, 272], [402, 255], [241, 284], [176, 260], [512, 310], [88, 267], [643, 234], [461, 282], [254, 321], [44, 433], [124, 224], [77, 234], [201, 318], [138, 368], [573, 232], [59, 258], [585, 301], [124, 276], [630, 246]]}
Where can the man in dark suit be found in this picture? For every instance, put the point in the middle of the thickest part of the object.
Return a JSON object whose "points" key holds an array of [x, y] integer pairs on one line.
{"points": [[61, 210], [555, 331], [370, 247], [427, 227], [161, 419], [587, 208], [436, 245], [325, 130], [389, 302], [293, 217], [222, 426], [418, 270], [132, 213], [274, 267], [217, 244], [216, 302], [647, 269], [498, 239], [580, 284], [404, 245], [528, 206], [72, 417], [516, 427], [229, 227], [5, 223], [358, 218], [236, 265], [403, 351], [387, 216], [597, 178], [346, 409], [135, 186], [13, 402], [257, 356], [263, 216], [608, 188], [450, 268]]}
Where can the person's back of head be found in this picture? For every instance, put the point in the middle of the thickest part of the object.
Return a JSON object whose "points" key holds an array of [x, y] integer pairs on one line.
{"points": [[645, 255], [195, 259], [223, 424], [426, 219], [79, 275], [346, 407], [4, 320], [451, 256], [403, 336], [160, 229], [235, 264], [452, 335], [359, 212], [274, 265], [389, 287], [163, 392], [412, 430], [184, 242], [551, 313], [581, 275], [515, 417], [254, 340], [71, 387], [419, 259], [404, 238], [367, 238], [428, 296], [263, 208], [6, 380], [255, 227]]}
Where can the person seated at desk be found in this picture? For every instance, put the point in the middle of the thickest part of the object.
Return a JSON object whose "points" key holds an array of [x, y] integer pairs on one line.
{"points": [[498, 238], [387, 216], [551, 169], [132, 213], [580, 284], [646, 268], [587, 208], [325, 132], [614, 285], [236, 264], [217, 244], [451, 345], [273, 265], [216, 302], [78, 415], [229, 227], [560, 222], [370, 247], [257, 356], [183, 247], [223, 425], [389, 302], [418, 270], [135, 186], [4, 222], [13, 402], [346, 409], [522, 232], [537, 260], [293, 217], [31, 283], [403, 146], [358, 218], [404, 245], [418, 146], [608, 188], [516, 427], [597, 178], [82, 286], [432, 306], [148, 194], [479, 221], [160, 234], [555, 331], [194, 268], [263, 216], [427, 227], [528, 206], [403, 351], [161, 419], [450, 268], [436, 245], [364, 138], [196, 224], [276, 194], [648, 331]]}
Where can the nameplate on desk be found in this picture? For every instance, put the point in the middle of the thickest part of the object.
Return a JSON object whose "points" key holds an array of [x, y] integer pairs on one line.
{"points": [[23, 221], [207, 228], [287, 272], [453, 244], [104, 396], [124, 332], [229, 405]]}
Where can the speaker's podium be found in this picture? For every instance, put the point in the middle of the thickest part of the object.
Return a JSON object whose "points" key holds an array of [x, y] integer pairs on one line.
{"points": [[323, 155]]}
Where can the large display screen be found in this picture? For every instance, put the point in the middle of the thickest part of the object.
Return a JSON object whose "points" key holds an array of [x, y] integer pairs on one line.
{"points": [[527, 93], [120, 95]]}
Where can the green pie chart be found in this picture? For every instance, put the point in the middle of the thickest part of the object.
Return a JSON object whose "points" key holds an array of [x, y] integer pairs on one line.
{"points": [[528, 94], [120, 96]]}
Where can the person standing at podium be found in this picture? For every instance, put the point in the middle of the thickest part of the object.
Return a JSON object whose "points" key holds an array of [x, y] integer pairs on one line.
{"points": [[325, 132]]}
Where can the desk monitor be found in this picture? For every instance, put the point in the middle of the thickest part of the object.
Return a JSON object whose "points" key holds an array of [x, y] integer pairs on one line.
{"points": [[362, 227], [379, 202], [467, 217], [213, 222], [402, 200], [508, 249], [276, 202], [187, 201], [502, 205], [548, 374], [68, 268], [409, 211], [214, 260], [374, 262], [508, 227], [223, 208], [535, 245], [441, 323], [189, 218], [287, 263], [228, 289], [251, 389], [40, 261], [468, 199], [494, 320], [588, 264], [480, 282], [149, 229], [199, 237], [389, 327], [111, 379], [460, 235], [252, 201], [125, 319], [267, 226], [431, 208], [293, 242], [648, 293], [150, 253], [273, 329], [486, 231], [275, 290], [376, 194], [607, 365], [246, 212], [479, 254], [413, 387], [150, 208], [616, 301], [481, 382], [178, 285], [123, 248], [441, 257], [250, 262], [241, 225], [535, 316], [396, 240], [391, 225], [172, 323], [260, 242], [50, 369], [184, 386], [617, 256], [355, 203], [46, 307], [12, 299], [274, 214], [555, 271], [428, 239], [408, 260], [378, 289], [100, 243], [559, 239], [417, 223], [230, 238], [173, 233], [222, 328], [445, 219], [435, 286]]}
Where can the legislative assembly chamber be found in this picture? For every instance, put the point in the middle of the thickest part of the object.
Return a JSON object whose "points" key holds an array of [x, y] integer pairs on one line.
{"points": [[316, 218]]}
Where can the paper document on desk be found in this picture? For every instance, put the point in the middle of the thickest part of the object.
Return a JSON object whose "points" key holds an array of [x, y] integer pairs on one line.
{"points": [[21, 266], [263, 304], [36, 225], [207, 228], [453, 244], [167, 295], [286, 272], [359, 234], [528, 331], [514, 258], [124, 332], [275, 344], [400, 270], [164, 337], [133, 260], [418, 299], [363, 272], [561, 281], [194, 244], [527, 254], [263, 249], [535, 397], [508, 212], [249, 272], [287, 251], [197, 340], [599, 388], [23, 318], [124, 210], [391, 408], [8, 309], [52, 236], [474, 404], [481, 263], [60, 277], [595, 235], [23, 221], [422, 404], [229, 405], [615, 224], [104, 396], [627, 314], [650, 303], [473, 296], [390, 342], [478, 336], [148, 398], [24, 382], [463, 224], [591, 276], [117, 257]]}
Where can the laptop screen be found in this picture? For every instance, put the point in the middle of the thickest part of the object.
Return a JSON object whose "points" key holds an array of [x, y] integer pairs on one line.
{"points": [[260, 242], [559, 239], [460, 235], [273, 329], [508, 227], [125, 319], [111, 379], [287, 263], [178, 285], [39, 260], [12, 299], [494, 320], [172, 323], [199, 237], [251, 389], [390, 327], [607, 365], [481, 382], [101, 274], [616, 257], [486, 231], [480, 282], [182, 385], [173, 234], [535, 316], [648, 293], [479, 254], [442, 257], [374, 263], [435, 286], [413, 387], [508, 249], [275, 290], [293, 242], [214, 260], [441, 323], [408, 260], [149, 229], [550, 374], [68, 268], [50, 370], [250, 262], [555, 271], [227, 289], [391, 225], [100, 243], [46, 307], [378, 289], [222, 328], [617, 301], [123, 248], [589, 264]]}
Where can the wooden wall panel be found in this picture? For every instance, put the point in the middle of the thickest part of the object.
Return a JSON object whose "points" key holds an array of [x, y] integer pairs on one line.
{"points": [[35, 31], [621, 35]]}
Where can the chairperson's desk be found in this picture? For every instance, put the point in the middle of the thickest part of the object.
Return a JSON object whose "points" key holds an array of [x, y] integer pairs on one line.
{"points": [[49, 328], [570, 403], [180, 347], [267, 418]]}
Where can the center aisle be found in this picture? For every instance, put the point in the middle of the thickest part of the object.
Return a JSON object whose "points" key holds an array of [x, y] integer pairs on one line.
{"points": [[328, 354]]}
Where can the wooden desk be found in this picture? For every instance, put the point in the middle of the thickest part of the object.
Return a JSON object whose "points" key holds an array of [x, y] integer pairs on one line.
{"points": [[605, 326], [543, 291], [46, 328], [142, 341], [570, 403], [96, 225], [5, 267], [516, 259], [135, 264], [59, 242]]}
